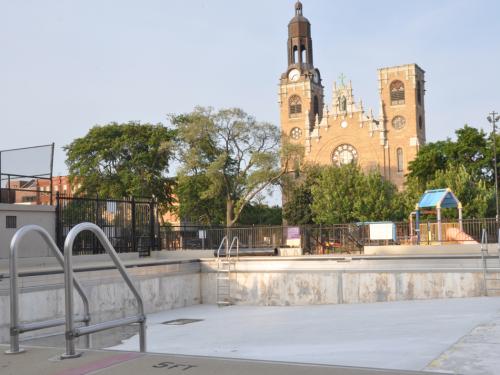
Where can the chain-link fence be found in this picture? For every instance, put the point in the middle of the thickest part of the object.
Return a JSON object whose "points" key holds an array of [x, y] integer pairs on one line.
{"points": [[26, 175]]}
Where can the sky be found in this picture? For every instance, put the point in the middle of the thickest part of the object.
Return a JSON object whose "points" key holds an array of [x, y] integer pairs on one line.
{"points": [[67, 65]]}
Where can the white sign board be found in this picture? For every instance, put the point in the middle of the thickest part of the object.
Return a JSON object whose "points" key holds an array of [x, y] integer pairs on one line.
{"points": [[202, 234], [382, 231]]}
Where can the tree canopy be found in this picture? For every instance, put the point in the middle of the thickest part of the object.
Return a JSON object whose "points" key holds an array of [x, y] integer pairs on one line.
{"points": [[345, 194], [472, 149], [121, 160], [466, 166], [233, 156]]}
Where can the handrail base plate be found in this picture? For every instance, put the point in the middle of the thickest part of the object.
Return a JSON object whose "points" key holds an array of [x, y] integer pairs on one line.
{"points": [[69, 356], [20, 351]]}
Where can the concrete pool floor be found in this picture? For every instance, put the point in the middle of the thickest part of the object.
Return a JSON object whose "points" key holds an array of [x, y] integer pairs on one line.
{"points": [[448, 335]]}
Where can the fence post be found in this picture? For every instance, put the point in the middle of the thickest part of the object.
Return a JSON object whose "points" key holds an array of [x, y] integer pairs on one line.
{"points": [[58, 223], [151, 226], [95, 243], [8, 190], [134, 245]]}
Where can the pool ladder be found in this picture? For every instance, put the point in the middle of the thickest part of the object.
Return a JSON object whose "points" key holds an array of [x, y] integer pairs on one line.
{"points": [[491, 276], [72, 331], [226, 265]]}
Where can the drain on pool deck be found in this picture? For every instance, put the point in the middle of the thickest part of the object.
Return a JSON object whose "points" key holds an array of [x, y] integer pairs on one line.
{"points": [[180, 322]]}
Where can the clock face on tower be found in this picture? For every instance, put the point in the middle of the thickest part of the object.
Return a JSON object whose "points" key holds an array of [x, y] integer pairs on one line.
{"points": [[294, 75]]}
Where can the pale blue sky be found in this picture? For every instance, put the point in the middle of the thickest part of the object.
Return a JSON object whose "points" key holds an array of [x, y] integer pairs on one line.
{"points": [[67, 65]]}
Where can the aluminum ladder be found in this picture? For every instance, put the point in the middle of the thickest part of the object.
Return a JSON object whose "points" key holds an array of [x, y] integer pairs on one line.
{"points": [[72, 332], [491, 276], [225, 266], [16, 328]]}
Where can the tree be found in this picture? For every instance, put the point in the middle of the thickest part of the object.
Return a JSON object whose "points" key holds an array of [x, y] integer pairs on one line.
{"points": [[465, 166], [238, 156], [194, 205], [345, 194], [260, 214], [472, 150], [297, 210], [121, 160]]}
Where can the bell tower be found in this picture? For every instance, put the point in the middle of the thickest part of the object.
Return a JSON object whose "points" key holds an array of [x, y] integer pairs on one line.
{"points": [[402, 91], [299, 40], [301, 96]]}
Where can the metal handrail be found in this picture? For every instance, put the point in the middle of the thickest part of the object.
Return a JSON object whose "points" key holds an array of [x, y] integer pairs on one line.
{"points": [[71, 331], [17, 328], [498, 245], [224, 240], [235, 239], [484, 250]]}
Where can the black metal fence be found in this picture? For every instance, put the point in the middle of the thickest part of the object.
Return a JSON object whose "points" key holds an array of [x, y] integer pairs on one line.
{"points": [[130, 224], [325, 239], [313, 239]]}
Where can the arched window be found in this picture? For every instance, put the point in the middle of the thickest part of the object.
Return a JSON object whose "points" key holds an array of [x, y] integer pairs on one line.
{"points": [[294, 106], [295, 55], [316, 105], [397, 93], [399, 157], [344, 154], [419, 93], [304, 55]]}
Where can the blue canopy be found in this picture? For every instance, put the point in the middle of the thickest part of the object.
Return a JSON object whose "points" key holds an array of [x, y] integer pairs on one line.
{"points": [[439, 198]]}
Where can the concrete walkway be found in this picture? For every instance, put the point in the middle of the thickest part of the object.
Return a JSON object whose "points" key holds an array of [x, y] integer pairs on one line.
{"points": [[45, 361]]}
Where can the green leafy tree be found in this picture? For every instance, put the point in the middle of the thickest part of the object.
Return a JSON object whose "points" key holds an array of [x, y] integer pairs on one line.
{"points": [[345, 194], [475, 196], [465, 165], [297, 210], [261, 214], [238, 156], [195, 205], [472, 149], [120, 160]]}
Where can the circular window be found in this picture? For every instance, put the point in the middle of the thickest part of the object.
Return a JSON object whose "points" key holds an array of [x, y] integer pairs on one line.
{"points": [[344, 154], [296, 133], [343, 124], [398, 122]]}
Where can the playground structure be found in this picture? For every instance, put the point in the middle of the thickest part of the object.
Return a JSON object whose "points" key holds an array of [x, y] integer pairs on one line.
{"points": [[433, 202]]}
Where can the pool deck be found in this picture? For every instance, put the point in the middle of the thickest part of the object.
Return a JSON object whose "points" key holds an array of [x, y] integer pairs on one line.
{"points": [[45, 361]]}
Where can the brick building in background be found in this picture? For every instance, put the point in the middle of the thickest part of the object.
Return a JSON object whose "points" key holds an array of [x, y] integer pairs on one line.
{"points": [[344, 131]]}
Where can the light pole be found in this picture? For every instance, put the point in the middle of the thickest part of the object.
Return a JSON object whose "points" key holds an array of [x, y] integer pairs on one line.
{"points": [[493, 118]]}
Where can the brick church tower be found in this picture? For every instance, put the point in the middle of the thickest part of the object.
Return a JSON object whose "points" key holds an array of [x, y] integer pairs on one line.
{"points": [[345, 132]]}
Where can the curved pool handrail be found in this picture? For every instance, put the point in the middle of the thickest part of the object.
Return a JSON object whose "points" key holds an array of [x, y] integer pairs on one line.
{"points": [[224, 241], [235, 239], [71, 331], [17, 328]]}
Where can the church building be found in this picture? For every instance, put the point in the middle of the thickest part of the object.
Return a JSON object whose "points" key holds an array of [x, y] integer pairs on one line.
{"points": [[344, 132]]}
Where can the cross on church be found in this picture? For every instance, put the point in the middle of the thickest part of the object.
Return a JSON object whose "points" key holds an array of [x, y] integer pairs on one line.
{"points": [[342, 77]]}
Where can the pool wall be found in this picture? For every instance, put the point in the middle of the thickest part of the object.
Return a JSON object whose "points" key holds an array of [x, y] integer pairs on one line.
{"points": [[284, 283], [266, 281]]}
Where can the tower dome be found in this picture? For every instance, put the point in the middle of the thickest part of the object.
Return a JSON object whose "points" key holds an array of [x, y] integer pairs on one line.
{"points": [[299, 26], [299, 40]]}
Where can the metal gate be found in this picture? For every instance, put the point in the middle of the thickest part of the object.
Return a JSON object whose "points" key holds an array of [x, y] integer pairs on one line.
{"points": [[129, 224]]}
